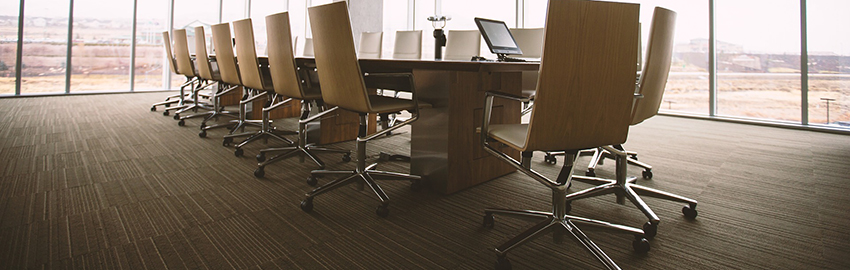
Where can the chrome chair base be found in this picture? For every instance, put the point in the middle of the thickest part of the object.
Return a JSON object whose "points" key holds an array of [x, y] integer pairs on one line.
{"points": [[599, 155], [557, 221], [625, 188], [301, 149], [366, 174]]}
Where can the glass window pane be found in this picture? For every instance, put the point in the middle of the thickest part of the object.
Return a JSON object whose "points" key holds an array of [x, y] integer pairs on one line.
{"points": [[232, 10], [259, 10], [45, 48], [424, 9], [687, 84], [8, 45], [101, 46], [395, 19], [758, 59], [534, 15], [151, 21], [829, 62]]}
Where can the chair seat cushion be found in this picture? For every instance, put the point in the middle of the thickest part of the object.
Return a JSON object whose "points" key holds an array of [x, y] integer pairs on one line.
{"points": [[511, 134], [382, 104]]}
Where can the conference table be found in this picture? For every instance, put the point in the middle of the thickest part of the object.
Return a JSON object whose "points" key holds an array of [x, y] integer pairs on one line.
{"points": [[445, 148]]}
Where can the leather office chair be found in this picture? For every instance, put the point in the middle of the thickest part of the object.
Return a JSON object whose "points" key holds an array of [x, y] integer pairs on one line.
{"points": [[652, 82], [186, 67], [530, 41], [344, 85], [288, 83], [260, 82], [571, 113], [208, 72], [370, 45], [176, 98], [229, 71], [408, 45], [462, 45]]}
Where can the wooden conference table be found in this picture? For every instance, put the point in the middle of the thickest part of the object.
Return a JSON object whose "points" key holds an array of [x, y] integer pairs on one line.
{"points": [[445, 149]]}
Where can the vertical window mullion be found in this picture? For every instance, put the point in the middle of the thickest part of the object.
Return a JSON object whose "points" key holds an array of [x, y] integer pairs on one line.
{"points": [[712, 60], [133, 47], [804, 66], [20, 53], [68, 65]]}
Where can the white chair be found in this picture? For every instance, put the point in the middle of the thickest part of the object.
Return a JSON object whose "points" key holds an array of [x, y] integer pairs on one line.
{"points": [[408, 45], [462, 45], [308, 47], [370, 45]]}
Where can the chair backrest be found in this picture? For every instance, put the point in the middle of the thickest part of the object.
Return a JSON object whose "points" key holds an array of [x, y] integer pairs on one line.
{"points": [[530, 41], [246, 54], [181, 53], [201, 56], [281, 56], [587, 76], [370, 45], [224, 54], [408, 45], [166, 42], [308, 47], [336, 59], [659, 54], [462, 44]]}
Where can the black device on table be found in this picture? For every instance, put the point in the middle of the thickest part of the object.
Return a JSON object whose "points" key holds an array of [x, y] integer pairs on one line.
{"points": [[499, 39]]}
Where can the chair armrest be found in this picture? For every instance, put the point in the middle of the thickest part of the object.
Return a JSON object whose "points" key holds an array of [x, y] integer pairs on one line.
{"points": [[506, 96], [638, 96], [251, 99]]}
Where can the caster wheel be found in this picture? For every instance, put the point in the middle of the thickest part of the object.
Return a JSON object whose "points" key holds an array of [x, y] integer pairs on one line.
{"points": [[382, 211], [238, 152], [261, 157], [634, 157], [647, 174], [176, 116], [202, 134], [590, 173], [416, 185], [153, 108], [650, 230], [312, 181], [181, 123], [259, 172], [489, 221], [549, 159], [346, 158], [203, 125], [568, 207], [227, 141], [502, 263], [165, 113], [690, 211], [307, 205], [167, 105], [641, 245]]}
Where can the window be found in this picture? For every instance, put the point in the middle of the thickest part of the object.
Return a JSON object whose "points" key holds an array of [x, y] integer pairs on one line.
{"points": [[100, 52], [150, 55], [829, 62], [8, 45], [45, 46], [758, 59]]}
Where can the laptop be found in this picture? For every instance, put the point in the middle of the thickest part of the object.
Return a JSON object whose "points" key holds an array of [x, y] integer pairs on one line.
{"points": [[499, 39]]}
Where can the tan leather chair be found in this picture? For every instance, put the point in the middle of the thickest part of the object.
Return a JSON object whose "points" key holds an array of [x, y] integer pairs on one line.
{"points": [[371, 44], [254, 79], [571, 113], [343, 84], [186, 67], [176, 98], [408, 45], [462, 45], [650, 91], [288, 83], [209, 72]]}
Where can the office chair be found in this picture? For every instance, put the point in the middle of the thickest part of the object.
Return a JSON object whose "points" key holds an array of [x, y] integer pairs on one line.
{"points": [[176, 98], [408, 45], [462, 45], [211, 73], [344, 85], [255, 79], [288, 83], [186, 67], [651, 88], [308, 47], [370, 45], [229, 71], [571, 113], [530, 41]]}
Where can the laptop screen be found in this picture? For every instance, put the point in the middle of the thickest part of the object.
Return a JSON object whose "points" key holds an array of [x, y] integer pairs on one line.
{"points": [[498, 36]]}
